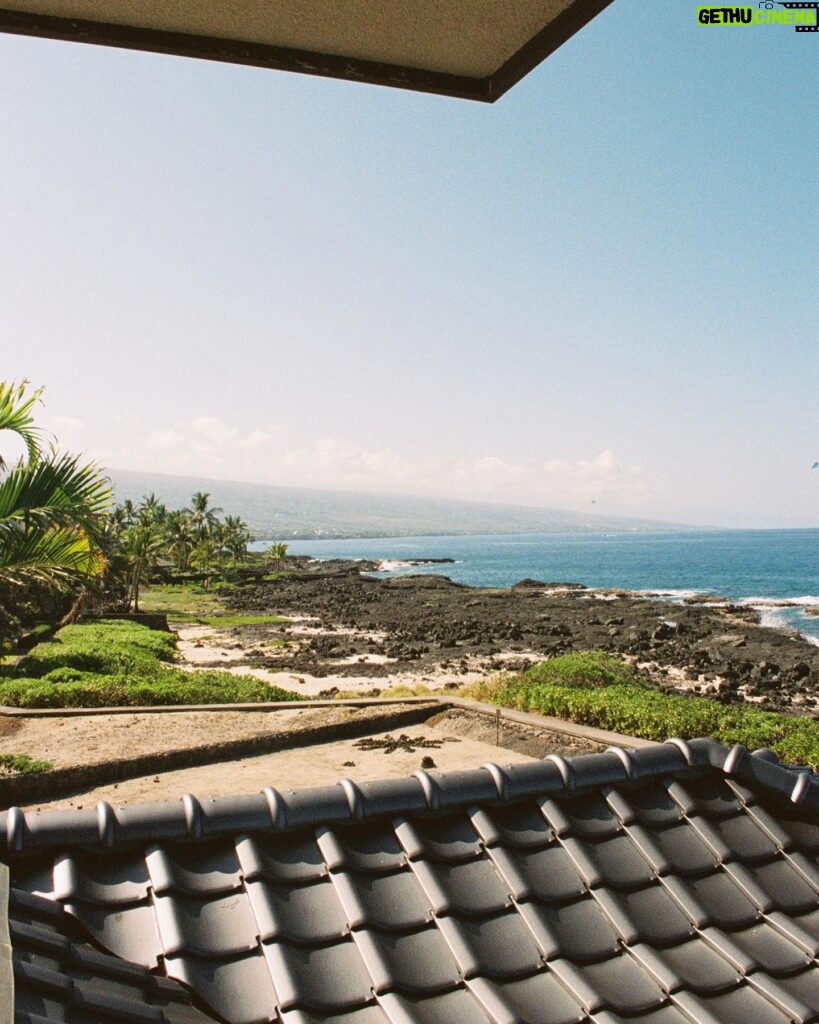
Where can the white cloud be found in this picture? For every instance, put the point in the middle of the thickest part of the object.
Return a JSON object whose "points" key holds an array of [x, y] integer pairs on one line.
{"points": [[208, 446], [556, 482]]}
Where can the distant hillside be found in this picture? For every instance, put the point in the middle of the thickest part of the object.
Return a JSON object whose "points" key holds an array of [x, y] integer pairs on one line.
{"points": [[275, 513]]}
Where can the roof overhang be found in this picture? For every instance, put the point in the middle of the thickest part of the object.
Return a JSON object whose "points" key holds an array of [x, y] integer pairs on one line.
{"points": [[474, 49]]}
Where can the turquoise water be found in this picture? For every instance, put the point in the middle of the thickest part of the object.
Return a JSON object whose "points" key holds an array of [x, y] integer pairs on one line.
{"points": [[753, 566]]}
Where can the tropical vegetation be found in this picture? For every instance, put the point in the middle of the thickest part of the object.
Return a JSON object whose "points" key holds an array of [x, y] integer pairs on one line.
{"points": [[597, 689], [121, 663], [53, 517]]}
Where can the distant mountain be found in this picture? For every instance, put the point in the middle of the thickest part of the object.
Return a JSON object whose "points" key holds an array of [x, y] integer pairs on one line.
{"points": [[290, 513]]}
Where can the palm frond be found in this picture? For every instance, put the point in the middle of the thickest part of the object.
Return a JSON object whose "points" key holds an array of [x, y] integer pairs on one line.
{"points": [[16, 404]]}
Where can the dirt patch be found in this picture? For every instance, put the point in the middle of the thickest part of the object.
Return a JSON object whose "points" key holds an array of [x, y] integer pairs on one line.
{"points": [[320, 765], [512, 736]]}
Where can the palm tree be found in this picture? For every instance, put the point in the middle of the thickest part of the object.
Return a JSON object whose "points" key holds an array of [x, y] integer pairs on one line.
{"points": [[236, 537], [180, 538], [203, 516], [53, 507], [277, 553]]}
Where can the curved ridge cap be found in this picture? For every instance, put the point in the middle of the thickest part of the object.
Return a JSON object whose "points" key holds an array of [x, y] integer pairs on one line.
{"points": [[194, 816], [276, 807], [567, 772], [805, 782], [355, 798], [627, 760], [15, 829], [500, 778], [106, 824], [701, 752], [432, 791]]}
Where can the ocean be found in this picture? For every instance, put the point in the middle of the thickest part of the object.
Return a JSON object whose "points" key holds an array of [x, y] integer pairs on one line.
{"points": [[776, 571]]}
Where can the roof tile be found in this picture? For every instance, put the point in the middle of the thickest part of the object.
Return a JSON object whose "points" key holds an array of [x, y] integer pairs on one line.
{"points": [[239, 989], [457, 1007], [217, 927], [651, 886], [496, 947], [105, 880], [328, 978], [648, 915], [539, 998], [300, 913], [281, 858], [383, 901], [414, 962], [579, 930], [370, 847], [469, 887], [192, 870], [547, 874]]}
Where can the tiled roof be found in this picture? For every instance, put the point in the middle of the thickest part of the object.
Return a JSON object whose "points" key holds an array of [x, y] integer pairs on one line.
{"points": [[59, 977], [668, 885]]}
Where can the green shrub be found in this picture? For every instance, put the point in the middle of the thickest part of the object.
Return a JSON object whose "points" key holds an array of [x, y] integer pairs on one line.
{"points": [[634, 709], [109, 646], [588, 669], [22, 764], [168, 686]]}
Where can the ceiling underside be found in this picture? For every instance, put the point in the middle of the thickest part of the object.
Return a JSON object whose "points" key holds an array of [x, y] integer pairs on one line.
{"points": [[476, 49]]}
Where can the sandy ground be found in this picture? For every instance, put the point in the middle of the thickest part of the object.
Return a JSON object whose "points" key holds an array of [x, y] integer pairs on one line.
{"points": [[318, 765], [94, 738], [206, 647]]}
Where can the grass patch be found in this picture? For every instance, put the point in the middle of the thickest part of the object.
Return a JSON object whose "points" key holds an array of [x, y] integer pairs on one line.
{"points": [[228, 621], [117, 663], [183, 601], [109, 646], [169, 686], [632, 707], [22, 764]]}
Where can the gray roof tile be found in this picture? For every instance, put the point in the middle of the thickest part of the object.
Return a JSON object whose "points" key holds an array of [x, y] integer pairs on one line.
{"points": [[700, 968], [719, 900], [281, 858], [579, 930], [370, 847], [457, 1007], [451, 839], [131, 932], [743, 1003], [619, 862], [787, 888], [194, 871], [494, 947], [383, 901], [547, 874], [468, 887], [675, 884], [300, 913], [539, 998], [216, 927], [411, 962], [646, 915], [520, 826], [325, 978], [239, 989]]}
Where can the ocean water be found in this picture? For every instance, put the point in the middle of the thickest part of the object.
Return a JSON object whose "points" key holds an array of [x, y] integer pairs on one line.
{"points": [[776, 571]]}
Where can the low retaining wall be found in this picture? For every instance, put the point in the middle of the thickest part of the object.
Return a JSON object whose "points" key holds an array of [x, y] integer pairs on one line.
{"points": [[62, 782]]}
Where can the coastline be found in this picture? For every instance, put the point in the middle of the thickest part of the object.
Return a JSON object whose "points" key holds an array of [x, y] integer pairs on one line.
{"points": [[348, 632]]}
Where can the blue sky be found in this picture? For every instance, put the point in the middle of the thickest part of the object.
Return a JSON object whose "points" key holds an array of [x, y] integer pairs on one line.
{"points": [[600, 289]]}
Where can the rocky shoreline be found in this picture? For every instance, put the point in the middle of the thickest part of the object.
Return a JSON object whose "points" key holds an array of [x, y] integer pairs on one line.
{"points": [[350, 624]]}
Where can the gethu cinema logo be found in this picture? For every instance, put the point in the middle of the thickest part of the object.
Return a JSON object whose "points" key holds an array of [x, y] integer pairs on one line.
{"points": [[803, 16]]}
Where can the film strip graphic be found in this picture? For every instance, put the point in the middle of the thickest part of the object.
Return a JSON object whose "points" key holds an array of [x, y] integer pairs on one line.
{"points": [[813, 5]]}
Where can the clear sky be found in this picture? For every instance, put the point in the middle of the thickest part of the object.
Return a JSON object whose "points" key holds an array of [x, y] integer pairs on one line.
{"points": [[601, 289]]}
